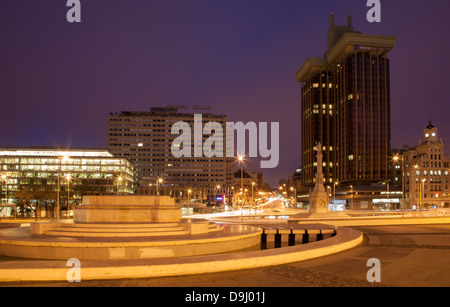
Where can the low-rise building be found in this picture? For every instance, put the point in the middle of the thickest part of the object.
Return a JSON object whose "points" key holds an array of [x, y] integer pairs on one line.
{"points": [[426, 172], [77, 172]]}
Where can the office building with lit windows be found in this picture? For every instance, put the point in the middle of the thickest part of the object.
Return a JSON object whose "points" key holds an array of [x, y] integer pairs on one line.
{"points": [[79, 172], [345, 105], [145, 138]]}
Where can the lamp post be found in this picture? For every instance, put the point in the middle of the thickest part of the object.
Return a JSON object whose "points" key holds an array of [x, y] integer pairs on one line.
{"points": [[334, 193], [241, 161], [68, 192], [403, 185], [232, 195], [6, 195], [422, 188], [216, 188], [253, 200], [292, 189], [351, 206], [158, 182], [189, 200], [387, 193], [388, 202], [61, 159], [416, 167]]}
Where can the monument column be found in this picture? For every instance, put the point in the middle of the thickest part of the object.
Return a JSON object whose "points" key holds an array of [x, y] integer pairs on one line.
{"points": [[318, 199]]}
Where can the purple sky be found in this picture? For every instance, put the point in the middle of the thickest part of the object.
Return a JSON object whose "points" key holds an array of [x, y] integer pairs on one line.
{"points": [[59, 81]]}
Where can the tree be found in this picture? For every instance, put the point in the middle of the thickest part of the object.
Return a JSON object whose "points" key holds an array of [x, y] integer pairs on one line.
{"points": [[40, 194], [24, 197]]}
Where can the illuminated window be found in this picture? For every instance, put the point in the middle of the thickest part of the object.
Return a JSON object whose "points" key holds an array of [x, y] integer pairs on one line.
{"points": [[350, 157]]}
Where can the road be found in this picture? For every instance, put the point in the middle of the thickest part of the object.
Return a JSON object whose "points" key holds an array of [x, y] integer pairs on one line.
{"points": [[410, 256]]}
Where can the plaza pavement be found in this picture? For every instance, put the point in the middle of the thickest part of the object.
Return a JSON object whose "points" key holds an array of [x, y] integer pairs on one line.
{"points": [[411, 254]]}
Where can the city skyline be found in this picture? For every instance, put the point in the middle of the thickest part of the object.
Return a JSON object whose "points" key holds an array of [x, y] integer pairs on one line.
{"points": [[60, 80]]}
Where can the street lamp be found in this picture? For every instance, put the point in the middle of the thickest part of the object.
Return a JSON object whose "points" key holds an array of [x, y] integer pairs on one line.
{"points": [[68, 191], [189, 200], [416, 167], [334, 193], [232, 196], [253, 183], [351, 187], [217, 187], [396, 158], [61, 160], [158, 182], [6, 195], [241, 161], [422, 190], [387, 193]]}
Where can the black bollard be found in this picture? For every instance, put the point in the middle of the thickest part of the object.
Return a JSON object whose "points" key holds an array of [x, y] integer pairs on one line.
{"points": [[291, 239], [277, 240], [320, 236], [305, 238], [263, 241]]}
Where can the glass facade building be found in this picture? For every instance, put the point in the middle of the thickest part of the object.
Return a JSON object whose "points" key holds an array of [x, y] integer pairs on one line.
{"points": [[79, 172]]}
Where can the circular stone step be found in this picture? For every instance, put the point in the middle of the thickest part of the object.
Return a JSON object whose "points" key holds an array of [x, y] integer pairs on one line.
{"points": [[62, 233], [118, 230]]}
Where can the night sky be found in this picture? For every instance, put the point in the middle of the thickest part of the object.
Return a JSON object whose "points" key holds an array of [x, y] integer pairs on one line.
{"points": [[59, 80]]}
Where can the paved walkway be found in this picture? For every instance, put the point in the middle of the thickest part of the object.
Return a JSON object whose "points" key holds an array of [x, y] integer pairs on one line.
{"points": [[410, 255]]}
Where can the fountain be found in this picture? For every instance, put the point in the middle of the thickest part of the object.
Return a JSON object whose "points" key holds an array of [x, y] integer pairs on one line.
{"points": [[126, 227]]}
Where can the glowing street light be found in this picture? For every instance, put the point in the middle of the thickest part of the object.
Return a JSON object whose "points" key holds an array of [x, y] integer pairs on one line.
{"points": [[189, 200], [158, 182], [6, 195], [396, 158], [241, 161], [68, 191], [62, 159], [253, 183]]}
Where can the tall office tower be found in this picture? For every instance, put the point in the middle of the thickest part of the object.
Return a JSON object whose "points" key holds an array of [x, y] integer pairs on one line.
{"points": [[145, 138], [345, 105]]}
